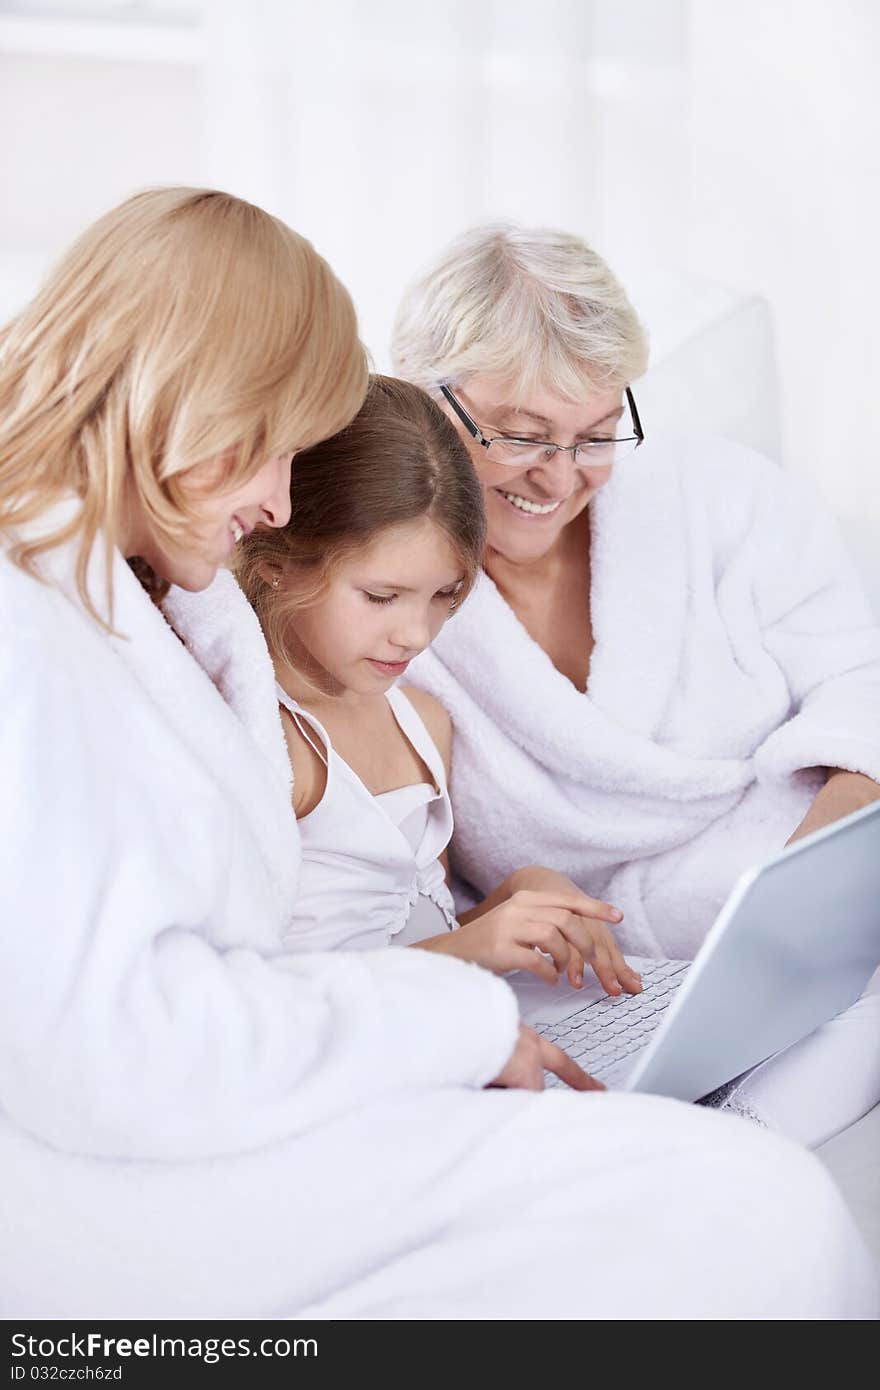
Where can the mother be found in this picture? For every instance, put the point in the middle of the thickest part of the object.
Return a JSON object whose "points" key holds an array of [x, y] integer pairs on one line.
{"points": [[191, 1123], [668, 668]]}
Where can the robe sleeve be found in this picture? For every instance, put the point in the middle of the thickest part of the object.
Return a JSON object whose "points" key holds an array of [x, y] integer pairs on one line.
{"points": [[124, 1032], [817, 626]]}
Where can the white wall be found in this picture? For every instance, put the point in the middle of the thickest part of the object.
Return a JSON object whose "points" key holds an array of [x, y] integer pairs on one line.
{"points": [[86, 131], [381, 131], [80, 134], [785, 198], [734, 138]]}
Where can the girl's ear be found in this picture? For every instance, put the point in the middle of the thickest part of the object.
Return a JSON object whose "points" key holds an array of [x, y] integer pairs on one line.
{"points": [[270, 572]]}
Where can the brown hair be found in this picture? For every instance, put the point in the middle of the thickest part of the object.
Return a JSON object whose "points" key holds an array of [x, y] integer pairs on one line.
{"points": [[400, 459], [184, 325]]}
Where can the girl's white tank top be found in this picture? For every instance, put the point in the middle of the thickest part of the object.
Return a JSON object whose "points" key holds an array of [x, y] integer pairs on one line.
{"points": [[371, 874]]}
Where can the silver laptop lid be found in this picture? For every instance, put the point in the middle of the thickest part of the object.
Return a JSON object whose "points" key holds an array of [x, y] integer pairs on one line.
{"points": [[796, 942]]}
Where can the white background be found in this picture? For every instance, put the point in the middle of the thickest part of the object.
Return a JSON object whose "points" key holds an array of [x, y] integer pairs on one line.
{"points": [[737, 139]]}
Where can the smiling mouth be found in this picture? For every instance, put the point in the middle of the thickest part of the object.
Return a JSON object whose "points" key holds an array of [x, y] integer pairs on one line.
{"points": [[528, 506], [394, 667]]}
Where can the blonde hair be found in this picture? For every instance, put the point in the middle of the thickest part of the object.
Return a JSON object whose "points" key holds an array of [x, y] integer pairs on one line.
{"points": [[399, 460], [183, 326], [540, 308]]}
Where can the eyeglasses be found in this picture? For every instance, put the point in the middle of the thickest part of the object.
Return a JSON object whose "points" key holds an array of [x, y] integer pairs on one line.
{"points": [[525, 453]]}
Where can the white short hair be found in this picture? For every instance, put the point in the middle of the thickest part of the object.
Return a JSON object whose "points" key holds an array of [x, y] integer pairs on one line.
{"points": [[538, 307]]}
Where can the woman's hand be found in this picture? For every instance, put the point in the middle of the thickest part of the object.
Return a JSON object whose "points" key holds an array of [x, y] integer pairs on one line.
{"points": [[561, 923], [533, 1055], [842, 793]]}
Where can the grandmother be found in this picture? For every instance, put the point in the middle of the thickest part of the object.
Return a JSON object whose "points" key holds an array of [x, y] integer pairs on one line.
{"points": [[668, 670]]}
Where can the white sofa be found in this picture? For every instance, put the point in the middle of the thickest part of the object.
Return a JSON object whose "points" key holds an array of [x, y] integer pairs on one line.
{"points": [[704, 338]]}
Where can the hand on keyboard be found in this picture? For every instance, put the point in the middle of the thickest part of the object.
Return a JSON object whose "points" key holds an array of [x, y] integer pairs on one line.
{"points": [[532, 1056], [548, 931], [608, 964]]}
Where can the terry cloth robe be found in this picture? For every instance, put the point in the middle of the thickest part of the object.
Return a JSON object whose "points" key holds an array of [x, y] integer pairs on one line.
{"points": [[194, 1124], [734, 655]]}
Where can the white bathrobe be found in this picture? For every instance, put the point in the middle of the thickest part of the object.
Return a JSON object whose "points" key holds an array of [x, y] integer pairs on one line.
{"points": [[194, 1124], [734, 655]]}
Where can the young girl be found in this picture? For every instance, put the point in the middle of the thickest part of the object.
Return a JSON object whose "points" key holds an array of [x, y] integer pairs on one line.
{"points": [[384, 542]]}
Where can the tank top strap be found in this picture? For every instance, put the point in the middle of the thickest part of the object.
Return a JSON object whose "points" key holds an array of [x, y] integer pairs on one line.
{"points": [[413, 726], [303, 721]]}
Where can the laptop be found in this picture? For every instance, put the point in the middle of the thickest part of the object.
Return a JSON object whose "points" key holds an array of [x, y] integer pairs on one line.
{"points": [[795, 943]]}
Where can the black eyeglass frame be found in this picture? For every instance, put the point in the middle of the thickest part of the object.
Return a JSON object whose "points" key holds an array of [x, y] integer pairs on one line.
{"points": [[486, 441]]}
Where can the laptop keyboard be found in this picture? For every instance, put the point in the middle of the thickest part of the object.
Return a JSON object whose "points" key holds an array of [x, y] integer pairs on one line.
{"points": [[601, 1035]]}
